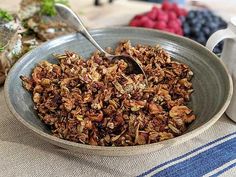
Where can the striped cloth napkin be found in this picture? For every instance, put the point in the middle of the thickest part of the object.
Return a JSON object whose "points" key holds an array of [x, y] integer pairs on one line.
{"points": [[22, 154], [211, 159]]}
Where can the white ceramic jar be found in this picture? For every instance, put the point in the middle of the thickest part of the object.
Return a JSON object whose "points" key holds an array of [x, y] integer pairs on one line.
{"points": [[228, 56]]}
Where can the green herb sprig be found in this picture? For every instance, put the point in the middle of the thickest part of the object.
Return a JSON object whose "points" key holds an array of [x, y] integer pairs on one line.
{"points": [[1, 48], [5, 16], [48, 8]]}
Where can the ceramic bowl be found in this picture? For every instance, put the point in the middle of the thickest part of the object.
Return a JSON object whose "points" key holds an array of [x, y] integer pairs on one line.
{"points": [[211, 82]]}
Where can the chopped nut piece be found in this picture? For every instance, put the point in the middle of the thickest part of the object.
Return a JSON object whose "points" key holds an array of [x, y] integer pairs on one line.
{"points": [[96, 116], [155, 109], [113, 103], [178, 111], [141, 139], [36, 98], [119, 87], [88, 124], [165, 136], [45, 82]]}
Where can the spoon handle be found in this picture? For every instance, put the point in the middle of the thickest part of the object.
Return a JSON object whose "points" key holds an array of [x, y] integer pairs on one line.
{"points": [[76, 23]]}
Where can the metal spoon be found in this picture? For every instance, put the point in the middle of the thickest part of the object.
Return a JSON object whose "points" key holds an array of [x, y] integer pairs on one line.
{"points": [[75, 22]]}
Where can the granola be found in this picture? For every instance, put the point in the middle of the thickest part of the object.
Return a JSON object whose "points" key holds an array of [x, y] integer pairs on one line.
{"points": [[96, 102]]}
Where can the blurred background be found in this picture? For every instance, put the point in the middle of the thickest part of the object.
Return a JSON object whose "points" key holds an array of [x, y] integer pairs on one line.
{"points": [[122, 8], [193, 23]]}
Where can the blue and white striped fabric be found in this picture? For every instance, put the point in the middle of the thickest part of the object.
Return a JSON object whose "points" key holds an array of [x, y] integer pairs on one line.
{"points": [[211, 159], [22, 154]]}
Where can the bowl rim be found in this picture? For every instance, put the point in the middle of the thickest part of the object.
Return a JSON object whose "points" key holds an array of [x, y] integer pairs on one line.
{"points": [[66, 143]]}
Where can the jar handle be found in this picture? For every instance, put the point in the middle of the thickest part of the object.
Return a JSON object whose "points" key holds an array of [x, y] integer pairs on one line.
{"points": [[218, 36]]}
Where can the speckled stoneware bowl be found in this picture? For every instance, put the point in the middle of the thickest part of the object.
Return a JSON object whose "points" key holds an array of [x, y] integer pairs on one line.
{"points": [[211, 82]]}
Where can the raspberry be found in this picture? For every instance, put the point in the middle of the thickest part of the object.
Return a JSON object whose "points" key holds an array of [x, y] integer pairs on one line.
{"points": [[163, 16], [146, 22], [180, 32], [173, 25], [137, 17], [179, 22], [134, 22], [172, 15], [152, 15], [166, 6], [143, 20], [161, 25], [167, 17], [175, 8], [155, 9]]}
